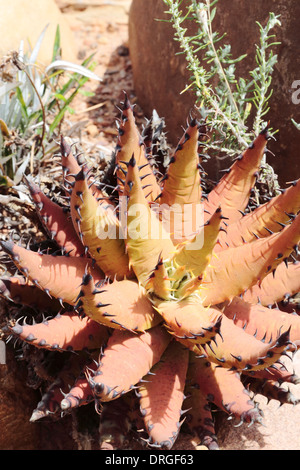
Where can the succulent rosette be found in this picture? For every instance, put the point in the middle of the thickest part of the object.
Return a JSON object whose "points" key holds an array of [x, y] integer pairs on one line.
{"points": [[169, 289]]}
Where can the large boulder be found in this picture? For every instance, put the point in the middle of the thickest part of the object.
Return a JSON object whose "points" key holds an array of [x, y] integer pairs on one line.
{"points": [[23, 20], [160, 75]]}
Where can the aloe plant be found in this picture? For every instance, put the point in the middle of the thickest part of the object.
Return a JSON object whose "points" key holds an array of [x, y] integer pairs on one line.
{"points": [[177, 313]]}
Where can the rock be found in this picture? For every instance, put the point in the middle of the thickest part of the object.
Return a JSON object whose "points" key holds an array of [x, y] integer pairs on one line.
{"points": [[160, 75], [23, 20]]}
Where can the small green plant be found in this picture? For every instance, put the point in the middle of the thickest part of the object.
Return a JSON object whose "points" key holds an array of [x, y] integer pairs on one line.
{"points": [[226, 105], [33, 104]]}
